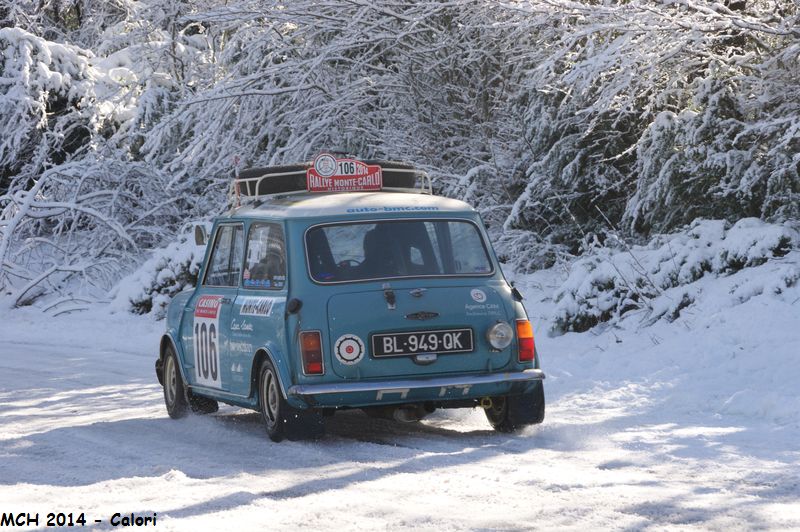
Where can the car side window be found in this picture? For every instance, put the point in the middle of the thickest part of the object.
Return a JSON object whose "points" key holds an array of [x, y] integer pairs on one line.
{"points": [[466, 246], [266, 257], [226, 257]]}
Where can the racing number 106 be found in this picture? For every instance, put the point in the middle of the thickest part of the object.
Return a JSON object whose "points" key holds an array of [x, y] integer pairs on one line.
{"points": [[205, 350]]}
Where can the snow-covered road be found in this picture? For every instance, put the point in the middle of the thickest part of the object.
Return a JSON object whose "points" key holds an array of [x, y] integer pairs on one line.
{"points": [[684, 425]]}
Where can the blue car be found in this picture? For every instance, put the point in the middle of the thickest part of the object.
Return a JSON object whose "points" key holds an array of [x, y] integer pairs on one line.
{"points": [[341, 284]]}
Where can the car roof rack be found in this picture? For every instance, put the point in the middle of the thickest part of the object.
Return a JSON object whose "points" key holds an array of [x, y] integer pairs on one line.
{"points": [[259, 184]]}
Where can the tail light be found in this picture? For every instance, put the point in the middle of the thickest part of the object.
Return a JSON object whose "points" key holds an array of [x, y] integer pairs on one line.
{"points": [[525, 338], [311, 352]]}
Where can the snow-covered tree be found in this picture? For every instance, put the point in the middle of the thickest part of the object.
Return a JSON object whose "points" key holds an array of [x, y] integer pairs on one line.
{"points": [[560, 119]]}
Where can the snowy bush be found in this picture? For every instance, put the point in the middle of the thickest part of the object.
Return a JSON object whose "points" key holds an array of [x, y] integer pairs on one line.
{"points": [[609, 283], [150, 288]]}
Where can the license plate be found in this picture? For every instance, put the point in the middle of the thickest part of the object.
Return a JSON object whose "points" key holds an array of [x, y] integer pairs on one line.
{"points": [[412, 343]]}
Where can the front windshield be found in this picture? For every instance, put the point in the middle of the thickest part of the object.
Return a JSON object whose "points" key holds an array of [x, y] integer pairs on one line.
{"points": [[389, 249]]}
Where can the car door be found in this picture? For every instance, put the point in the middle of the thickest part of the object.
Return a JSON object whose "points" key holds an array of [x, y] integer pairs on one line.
{"points": [[257, 315], [208, 333]]}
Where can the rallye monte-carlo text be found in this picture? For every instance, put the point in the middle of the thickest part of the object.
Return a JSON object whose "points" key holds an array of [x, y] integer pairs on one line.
{"points": [[347, 284]]}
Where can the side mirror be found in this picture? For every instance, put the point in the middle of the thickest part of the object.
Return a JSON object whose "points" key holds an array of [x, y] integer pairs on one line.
{"points": [[200, 235], [516, 294]]}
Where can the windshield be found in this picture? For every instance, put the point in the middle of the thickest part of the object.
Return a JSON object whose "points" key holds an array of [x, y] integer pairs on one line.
{"points": [[388, 249]]}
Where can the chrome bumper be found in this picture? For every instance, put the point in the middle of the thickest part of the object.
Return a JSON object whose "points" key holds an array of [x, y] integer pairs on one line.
{"points": [[405, 385]]}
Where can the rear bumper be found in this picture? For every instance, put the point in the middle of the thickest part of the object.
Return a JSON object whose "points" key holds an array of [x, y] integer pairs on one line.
{"points": [[402, 390]]}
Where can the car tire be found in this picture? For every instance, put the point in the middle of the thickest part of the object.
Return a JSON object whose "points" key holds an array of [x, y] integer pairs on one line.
{"points": [[280, 419], [512, 412], [174, 388], [202, 405]]}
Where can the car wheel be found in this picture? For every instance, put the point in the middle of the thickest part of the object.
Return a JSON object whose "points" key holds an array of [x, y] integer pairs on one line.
{"points": [[280, 419], [174, 389], [512, 412]]}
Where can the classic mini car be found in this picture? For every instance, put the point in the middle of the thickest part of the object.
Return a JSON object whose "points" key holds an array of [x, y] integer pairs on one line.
{"points": [[339, 284]]}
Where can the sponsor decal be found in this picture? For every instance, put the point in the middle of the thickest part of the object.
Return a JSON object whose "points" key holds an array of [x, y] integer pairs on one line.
{"points": [[463, 387], [402, 392], [207, 307], [422, 315], [241, 347], [478, 295], [481, 307], [264, 283], [257, 306], [244, 326], [349, 349], [206, 341], [325, 164], [237, 372], [329, 174], [392, 209], [486, 309]]}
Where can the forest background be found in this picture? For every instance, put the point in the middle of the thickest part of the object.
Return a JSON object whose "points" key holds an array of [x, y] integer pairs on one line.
{"points": [[570, 124]]}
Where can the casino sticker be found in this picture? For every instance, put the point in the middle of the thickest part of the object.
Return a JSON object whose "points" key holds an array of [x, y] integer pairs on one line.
{"points": [[349, 349]]}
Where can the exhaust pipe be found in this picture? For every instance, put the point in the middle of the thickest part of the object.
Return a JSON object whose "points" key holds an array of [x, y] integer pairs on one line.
{"points": [[403, 413], [408, 414], [486, 403]]}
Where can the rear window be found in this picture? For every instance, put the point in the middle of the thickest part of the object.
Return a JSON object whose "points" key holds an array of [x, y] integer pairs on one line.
{"points": [[388, 249]]}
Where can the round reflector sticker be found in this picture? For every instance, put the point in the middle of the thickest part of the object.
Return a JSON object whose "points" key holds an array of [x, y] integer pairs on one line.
{"points": [[349, 349]]}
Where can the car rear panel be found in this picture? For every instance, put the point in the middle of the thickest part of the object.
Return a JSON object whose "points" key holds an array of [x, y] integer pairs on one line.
{"points": [[358, 313]]}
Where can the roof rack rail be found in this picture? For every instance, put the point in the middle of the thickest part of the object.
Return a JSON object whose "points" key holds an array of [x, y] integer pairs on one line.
{"points": [[258, 184]]}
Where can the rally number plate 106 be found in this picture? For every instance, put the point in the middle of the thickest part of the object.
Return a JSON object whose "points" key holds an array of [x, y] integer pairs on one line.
{"points": [[412, 343]]}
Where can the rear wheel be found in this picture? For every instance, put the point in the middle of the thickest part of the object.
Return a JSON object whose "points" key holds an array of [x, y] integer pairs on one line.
{"points": [[512, 412], [280, 419], [174, 388]]}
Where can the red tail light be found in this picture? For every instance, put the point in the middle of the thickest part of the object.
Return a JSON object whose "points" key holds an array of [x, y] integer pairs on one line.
{"points": [[311, 351], [525, 338]]}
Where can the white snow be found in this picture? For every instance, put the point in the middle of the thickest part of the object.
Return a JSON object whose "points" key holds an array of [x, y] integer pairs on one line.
{"points": [[685, 425]]}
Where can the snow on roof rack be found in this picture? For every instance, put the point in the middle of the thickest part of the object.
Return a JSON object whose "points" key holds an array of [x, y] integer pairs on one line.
{"points": [[329, 175]]}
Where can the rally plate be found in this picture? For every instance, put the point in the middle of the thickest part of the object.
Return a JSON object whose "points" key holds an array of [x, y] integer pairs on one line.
{"points": [[412, 343]]}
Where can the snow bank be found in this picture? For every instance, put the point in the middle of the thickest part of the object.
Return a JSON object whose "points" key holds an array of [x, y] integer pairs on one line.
{"points": [[718, 350], [659, 278]]}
